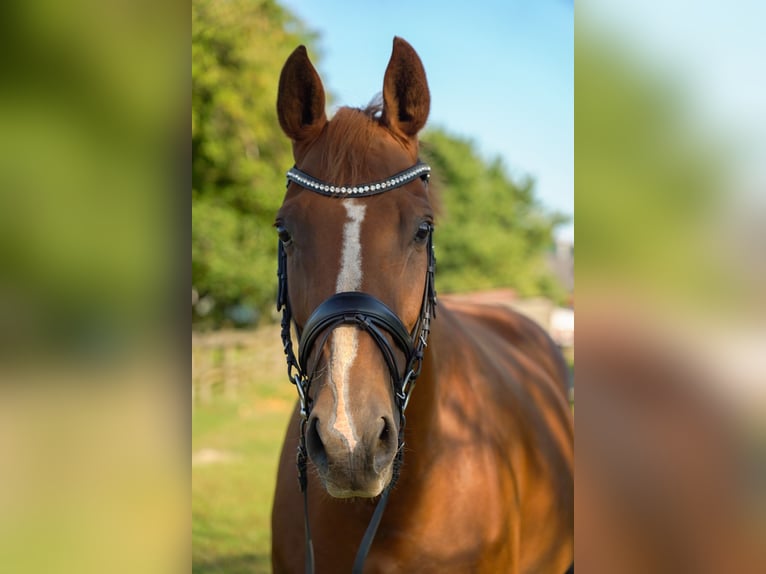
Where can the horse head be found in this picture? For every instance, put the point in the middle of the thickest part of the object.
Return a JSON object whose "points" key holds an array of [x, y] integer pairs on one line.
{"points": [[340, 234]]}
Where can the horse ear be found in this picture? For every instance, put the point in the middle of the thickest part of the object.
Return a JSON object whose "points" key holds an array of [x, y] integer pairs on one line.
{"points": [[406, 99], [300, 102]]}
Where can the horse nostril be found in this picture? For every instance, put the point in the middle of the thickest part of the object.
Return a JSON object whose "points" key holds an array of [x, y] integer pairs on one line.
{"points": [[386, 447], [385, 432], [314, 445]]}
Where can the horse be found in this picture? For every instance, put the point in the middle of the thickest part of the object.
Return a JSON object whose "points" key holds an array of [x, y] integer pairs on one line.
{"points": [[478, 476]]}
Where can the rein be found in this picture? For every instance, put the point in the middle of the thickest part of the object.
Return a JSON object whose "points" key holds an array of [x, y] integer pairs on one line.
{"points": [[365, 312]]}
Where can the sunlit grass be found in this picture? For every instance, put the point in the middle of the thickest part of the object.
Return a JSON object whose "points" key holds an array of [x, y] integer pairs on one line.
{"points": [[235, 448]]}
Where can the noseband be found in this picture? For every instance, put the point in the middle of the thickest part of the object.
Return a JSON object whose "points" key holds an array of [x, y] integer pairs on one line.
{"points": [[365, 312]]}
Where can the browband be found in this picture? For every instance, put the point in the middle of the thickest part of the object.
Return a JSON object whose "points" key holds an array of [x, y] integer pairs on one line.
{"points": [[419, 170]]}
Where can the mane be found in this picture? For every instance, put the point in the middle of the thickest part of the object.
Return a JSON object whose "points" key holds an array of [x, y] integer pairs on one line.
{"points": [[349, 135]]}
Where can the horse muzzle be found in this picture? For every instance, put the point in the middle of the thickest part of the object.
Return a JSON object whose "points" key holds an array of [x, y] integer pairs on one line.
{"points": [[347, 468]]}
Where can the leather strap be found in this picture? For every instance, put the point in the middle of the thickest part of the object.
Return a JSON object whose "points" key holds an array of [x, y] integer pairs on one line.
{"points": [[351, 307]]}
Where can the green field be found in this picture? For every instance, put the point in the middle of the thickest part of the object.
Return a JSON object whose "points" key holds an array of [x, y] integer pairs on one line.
{"points": [[235, 446]]}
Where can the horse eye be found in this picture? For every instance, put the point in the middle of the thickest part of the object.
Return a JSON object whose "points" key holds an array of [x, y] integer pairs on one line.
{"points": [[284, 235], [423, 231]]}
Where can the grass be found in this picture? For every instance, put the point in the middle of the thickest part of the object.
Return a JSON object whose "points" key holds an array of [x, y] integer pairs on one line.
{"points": [[235, 447]]}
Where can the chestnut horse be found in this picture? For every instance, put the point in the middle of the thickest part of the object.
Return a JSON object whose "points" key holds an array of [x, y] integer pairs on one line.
{"points": [[479, 475]]}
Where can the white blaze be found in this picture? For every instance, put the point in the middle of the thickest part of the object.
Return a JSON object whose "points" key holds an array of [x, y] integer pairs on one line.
{"points": [[345, 339], [350, 275]]}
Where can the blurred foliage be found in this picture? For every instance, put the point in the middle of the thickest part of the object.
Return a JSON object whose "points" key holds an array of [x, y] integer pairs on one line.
{"points": [[89, 129], [648, 177], [494, 232]]}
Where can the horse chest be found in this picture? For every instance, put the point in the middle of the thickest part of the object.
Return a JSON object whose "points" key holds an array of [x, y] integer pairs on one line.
{"points": [[460, 520]]}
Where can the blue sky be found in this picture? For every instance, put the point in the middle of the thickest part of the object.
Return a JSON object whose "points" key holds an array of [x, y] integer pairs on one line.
{"points": [[500, 73]]}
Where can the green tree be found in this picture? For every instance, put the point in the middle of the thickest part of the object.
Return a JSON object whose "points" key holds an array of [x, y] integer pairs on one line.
{"points": [[239, 153], [493, 231]]}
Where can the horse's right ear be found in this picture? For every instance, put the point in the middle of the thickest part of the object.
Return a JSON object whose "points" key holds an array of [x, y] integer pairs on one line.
{"points": [[300, 102]]}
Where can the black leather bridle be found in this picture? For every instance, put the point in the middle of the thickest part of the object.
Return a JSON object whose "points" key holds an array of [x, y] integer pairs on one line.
{"points": [[366, 312]]}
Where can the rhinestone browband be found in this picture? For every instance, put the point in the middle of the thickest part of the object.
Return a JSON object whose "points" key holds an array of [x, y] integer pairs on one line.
{"points": [[419, 170]]}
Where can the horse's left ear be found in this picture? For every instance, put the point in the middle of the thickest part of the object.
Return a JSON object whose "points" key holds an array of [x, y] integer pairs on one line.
{"points": [[406, 99]]}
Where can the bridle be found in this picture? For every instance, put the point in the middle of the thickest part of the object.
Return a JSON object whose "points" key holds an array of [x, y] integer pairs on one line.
{"points": [[366, 312]]}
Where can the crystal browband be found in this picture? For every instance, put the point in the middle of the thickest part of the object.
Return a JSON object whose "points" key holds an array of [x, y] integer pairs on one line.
{"points": [[419, 170]]}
